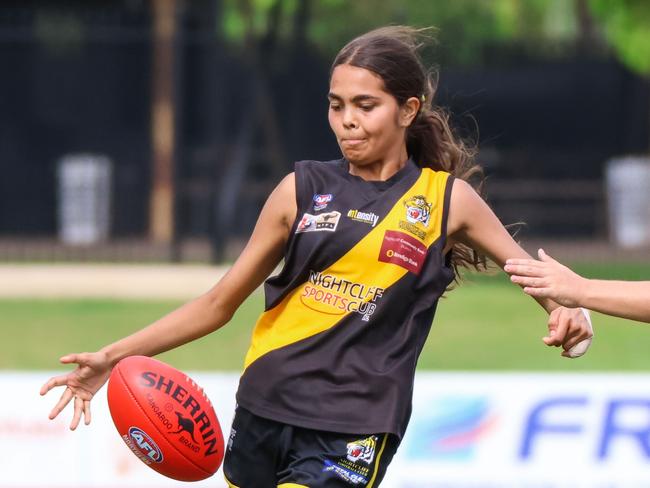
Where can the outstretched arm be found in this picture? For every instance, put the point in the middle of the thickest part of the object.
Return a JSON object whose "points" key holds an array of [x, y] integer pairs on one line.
{"points": [[548, 278], [196, 318], [472, 222]]}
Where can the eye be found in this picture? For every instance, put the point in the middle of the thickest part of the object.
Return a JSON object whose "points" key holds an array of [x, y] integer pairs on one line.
{"points": [[335, 107], [367, 107]]}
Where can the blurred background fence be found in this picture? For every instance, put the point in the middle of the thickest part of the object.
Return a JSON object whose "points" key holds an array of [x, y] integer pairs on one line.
{"points": [[199, 107]]}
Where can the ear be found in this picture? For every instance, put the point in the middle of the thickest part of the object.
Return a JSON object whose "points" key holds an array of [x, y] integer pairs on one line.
{"points": [[408, 111]]}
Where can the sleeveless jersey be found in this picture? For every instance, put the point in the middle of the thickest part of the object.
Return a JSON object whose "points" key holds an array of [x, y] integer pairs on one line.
{"points": [[347, 317]]}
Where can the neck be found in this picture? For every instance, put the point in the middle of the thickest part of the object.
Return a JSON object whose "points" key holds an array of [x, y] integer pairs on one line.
{"points": [[379, 170]]}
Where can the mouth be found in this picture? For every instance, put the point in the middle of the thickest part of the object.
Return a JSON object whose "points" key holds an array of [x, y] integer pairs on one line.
{"points": [[352, 142]]}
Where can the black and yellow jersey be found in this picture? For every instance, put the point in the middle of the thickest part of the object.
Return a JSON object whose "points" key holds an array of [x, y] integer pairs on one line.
{"points": [[347, 317]]}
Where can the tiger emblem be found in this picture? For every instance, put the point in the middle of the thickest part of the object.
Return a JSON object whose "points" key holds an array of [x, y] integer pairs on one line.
{"points": [[418, 210], [362, 450]]}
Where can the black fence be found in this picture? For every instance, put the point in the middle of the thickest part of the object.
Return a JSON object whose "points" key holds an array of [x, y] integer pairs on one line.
{"points": [[78, 79]]}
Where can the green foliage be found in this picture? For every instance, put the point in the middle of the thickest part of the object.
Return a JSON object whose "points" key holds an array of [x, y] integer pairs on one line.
{"points": [[465, 27], [626, 24]]}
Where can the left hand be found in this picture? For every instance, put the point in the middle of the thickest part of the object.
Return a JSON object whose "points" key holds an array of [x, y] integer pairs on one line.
{"points": [[567, 328]]}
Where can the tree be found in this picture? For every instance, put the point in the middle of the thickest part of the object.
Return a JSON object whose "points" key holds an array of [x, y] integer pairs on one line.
{"points": [[626, 26]]}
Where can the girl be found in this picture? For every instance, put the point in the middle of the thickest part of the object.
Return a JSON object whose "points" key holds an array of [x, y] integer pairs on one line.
{"points": [[370, 242]]}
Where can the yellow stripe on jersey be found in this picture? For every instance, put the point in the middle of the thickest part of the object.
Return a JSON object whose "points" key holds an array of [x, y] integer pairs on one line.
{"points": [[355, 282], [377, 461], [292, 485]]}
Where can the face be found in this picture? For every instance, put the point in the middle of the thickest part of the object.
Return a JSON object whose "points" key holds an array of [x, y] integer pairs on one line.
{"points": [[369, 124]]}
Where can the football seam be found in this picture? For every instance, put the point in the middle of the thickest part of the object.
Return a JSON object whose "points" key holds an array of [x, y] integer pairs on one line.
{"points": [[126, 386]]}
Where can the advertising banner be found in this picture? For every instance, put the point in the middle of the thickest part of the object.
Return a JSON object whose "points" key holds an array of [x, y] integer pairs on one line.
{"points": [[469, 430]]}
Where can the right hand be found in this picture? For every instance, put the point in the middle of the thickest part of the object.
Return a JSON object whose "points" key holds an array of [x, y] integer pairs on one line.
{"points": [[93, 370], [546, 278]]}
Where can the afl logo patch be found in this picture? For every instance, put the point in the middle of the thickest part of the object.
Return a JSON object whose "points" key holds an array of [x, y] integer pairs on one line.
{"points": [[321, 201], [146, 445]]}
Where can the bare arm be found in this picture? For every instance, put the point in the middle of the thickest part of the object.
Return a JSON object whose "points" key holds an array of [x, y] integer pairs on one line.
{"points": [[196, 318], [215, 308], [550, 279], [472, 222]]}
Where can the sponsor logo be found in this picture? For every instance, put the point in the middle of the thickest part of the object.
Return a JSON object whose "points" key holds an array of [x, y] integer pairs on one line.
{"points": [[321, 201], [188, 419], [143, 446], [322, 222], [451, 429], [403, 250], [326, 293], [231, 438], [347, 474], [366, 217], [362, 450]]}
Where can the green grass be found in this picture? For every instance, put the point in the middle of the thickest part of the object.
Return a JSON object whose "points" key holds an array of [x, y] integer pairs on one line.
{"points": [[486, 324]]}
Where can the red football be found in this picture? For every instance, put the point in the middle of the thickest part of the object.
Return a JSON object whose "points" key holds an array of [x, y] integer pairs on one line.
{"points": [[165, 418]]}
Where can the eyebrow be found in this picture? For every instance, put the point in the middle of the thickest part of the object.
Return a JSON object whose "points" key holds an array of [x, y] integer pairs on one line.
{"points": [[356, 99]]}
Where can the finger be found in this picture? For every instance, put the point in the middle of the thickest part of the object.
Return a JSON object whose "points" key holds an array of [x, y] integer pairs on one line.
{"points": [[70, 358], [527, 280], [523, 270], [86, 412], [522, 262], [78, 409], [552, 325], [563, 327], [66, 396], [54, 382], [573, 337], [538, 292], [545, 257]]}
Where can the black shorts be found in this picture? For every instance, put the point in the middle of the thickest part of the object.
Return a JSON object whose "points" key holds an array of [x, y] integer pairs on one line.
{"points": [[262, 453]]}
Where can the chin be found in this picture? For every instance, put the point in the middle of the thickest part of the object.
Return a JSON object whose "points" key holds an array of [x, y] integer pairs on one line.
{"points": [[355, 158]]}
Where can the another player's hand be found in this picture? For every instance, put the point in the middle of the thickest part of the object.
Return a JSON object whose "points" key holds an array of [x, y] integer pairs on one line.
{"points": [[93, 370], [568, 327], [546, 278]]}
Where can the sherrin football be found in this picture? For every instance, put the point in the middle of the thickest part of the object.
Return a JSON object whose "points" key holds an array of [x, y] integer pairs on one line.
{"points": [[165, 418]]}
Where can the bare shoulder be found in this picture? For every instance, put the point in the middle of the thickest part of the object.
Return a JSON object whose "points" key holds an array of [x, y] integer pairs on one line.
{"points": [[282, 201], [463, 202]]}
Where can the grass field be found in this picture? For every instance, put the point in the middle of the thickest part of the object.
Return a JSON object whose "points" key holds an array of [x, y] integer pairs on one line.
{"points": [[486, 324]]}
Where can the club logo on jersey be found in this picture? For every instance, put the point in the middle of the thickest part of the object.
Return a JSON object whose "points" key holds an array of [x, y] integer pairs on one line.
{"points": [[418, 210], [329, 294], [418, 213], [321, 222], [366, 217], [321, 201], [362, 450], [403, 250], [355, 466]]}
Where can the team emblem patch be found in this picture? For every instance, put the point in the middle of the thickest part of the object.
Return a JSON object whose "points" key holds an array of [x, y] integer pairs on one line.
{"points": [[362, 450], [322, 222], [418, 210], [321, 201]]}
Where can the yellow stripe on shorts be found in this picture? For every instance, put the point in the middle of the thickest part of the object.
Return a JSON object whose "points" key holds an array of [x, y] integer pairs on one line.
{"points": [[377, 461], [230, 485], [291, 485]]}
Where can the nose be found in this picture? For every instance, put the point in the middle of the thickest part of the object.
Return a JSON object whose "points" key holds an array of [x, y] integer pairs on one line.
{"points": [[349, 119]]}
